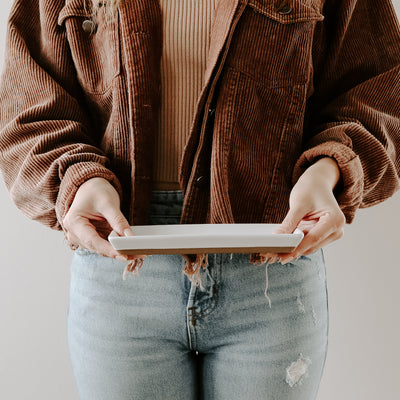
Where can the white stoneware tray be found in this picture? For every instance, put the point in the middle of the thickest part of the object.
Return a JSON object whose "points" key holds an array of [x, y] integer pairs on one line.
{"points": [[205, 238]]}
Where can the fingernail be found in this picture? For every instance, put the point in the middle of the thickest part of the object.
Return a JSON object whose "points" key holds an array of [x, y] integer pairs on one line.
{"points": [[121, 258], [128, 232]]}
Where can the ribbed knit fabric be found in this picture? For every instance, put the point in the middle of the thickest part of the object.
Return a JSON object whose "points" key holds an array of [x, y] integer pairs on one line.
{"points": [[186, 27]]}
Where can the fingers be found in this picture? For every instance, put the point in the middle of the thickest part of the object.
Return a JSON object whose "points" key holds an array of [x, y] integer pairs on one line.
{"points": [[80, 231], [288, 225], [314, 209], [291, 221], [329, 228], [117, 221], [93, 213], [331, 238], [84, 234]]}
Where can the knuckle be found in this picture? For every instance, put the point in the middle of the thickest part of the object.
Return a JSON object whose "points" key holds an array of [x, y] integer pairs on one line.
{"points": [[119, 219], [68, 236], [71, 240], [339, 233], [340, 219], [337, 221], [70, 219], [66, 222]]}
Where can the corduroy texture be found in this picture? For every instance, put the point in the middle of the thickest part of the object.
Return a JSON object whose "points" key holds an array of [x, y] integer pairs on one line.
{"points": [[186, 28], [281, 90], [95, 5]]}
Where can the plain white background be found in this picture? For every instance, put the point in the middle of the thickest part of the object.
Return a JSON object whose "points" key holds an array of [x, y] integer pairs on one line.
{"points": [[363, 286]]}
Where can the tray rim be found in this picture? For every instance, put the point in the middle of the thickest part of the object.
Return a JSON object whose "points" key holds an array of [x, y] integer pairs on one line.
{"points": [[121, 243]]}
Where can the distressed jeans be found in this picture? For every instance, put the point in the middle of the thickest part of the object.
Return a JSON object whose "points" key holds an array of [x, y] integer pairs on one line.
{"points": [[158, 336]]}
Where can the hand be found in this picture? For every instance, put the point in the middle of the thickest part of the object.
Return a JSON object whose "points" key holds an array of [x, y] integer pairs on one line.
{"points": [[94, 213], [314, 210]]}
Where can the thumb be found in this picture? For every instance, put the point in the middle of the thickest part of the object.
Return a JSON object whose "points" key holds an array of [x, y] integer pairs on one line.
{"points": [[118, 222], [291, 221]]}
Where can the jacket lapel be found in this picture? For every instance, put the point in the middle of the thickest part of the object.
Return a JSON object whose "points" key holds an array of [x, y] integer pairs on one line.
{"points": [[222, 21]]}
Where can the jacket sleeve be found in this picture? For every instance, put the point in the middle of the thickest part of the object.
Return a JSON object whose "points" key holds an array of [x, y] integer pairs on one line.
{"points": [[353, 114], [46, 145]]}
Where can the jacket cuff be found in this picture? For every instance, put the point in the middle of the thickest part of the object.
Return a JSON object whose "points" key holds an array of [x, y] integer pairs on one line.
{"points": [[349, 194], [74, 177]]}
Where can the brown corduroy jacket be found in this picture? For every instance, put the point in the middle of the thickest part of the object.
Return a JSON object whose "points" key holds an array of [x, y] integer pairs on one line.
{"points": [[286, 84]]}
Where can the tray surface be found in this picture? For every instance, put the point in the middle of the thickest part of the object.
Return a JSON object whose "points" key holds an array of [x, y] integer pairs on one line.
{"points": [[211, 238]]}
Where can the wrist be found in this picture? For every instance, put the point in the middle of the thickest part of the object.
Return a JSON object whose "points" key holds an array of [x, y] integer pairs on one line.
{"points": [[98, 189], [325, 170]]}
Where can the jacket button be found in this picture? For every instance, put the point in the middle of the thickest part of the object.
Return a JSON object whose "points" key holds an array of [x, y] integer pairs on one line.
{"points": [[89, 26], [284, 9], [201, 181]]}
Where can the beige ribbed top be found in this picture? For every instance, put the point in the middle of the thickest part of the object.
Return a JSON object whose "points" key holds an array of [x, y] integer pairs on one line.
{"points": [[186, 26]]}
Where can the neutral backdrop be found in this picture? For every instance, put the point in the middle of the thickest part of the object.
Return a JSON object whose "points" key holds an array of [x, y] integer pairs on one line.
{"points": [[363, 272]]}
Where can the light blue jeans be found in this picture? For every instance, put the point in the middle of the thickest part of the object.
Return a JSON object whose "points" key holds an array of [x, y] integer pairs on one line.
{"points": [[157, 336]]}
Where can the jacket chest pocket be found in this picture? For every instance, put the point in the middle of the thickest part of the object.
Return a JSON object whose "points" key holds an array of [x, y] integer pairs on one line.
{"points": [[94, 45], [273, 41]]}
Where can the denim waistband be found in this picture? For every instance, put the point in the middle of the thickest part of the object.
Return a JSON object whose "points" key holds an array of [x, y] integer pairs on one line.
{"points": [[165, 207]]}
